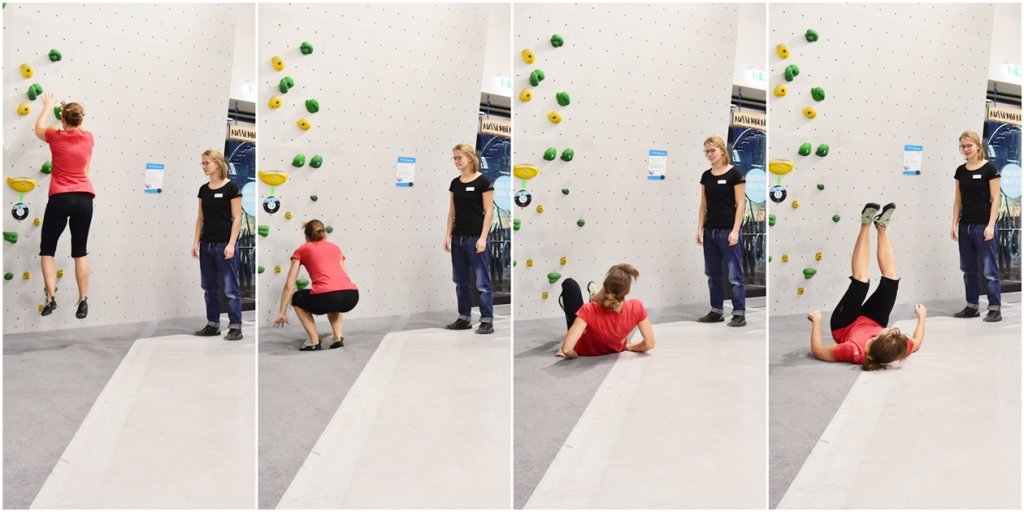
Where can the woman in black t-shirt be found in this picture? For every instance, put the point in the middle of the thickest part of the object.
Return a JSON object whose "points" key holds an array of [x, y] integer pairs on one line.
{"points": [[722, 200], [469, 222], [975, 210], [217, 224]]}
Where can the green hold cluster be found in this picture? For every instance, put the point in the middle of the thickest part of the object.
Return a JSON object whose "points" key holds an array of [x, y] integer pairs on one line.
{"points": [[567, 154], [818, 93], [811, 35], [285, 84], [550, 153], [312, 106], [55, 55], [771, 220], [313, 198], [47, 167], [306, 48], [835, 218], [563, 98], [565, 191], [821, 186], [805, 149], [557, 41], [34, 91], [299, 160], [553, 277], [809, 272], [516, 224], [822, 150], [791, 72], [263, 230], [536, 77], [316, 161], [301, 283], [8, 276], [11, 236]]}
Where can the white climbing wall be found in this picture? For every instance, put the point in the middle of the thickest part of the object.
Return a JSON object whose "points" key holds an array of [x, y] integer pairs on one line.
{"points": [[640, 77], [391, 80], [893, 75], [154, 82]]}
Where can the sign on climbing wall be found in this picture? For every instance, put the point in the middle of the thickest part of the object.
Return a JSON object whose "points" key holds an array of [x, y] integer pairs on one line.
{"points": [[405, 172], [154, 183], [657, 164]]}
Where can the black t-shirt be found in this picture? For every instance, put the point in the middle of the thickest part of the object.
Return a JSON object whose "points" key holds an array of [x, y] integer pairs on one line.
{"points": [[217, 212], [975, 200], [469, 205], [721, 197]]}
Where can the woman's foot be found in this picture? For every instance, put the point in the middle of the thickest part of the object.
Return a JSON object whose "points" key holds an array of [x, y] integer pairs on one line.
{"points": [[885, 218], [868, 214], [967, 312], [338, 343], [49, 307], [310, 345], [83, 309], [208, 330], [459, 325], [711, 317], [233, 335]]}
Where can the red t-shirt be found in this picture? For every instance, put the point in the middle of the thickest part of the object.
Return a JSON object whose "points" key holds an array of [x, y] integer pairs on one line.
{"points": [[850, 340], [606, 329], [70, 152], [323, 262]]}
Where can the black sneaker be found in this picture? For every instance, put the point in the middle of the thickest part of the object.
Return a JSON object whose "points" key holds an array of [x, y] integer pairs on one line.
{"points": [[967, 312], [992, 316], [309, 345], [459, 325], [83, 308], [738, 321], [885, 217], [208, 330], [49, 307], [868, 214], [234, 335], [485, 328], [338, 343], [711, 317]]}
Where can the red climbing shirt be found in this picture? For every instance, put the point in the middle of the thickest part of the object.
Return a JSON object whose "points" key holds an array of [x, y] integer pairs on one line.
{"points": [[851, 340], [606, 329], [70, 152], [323, 262]]}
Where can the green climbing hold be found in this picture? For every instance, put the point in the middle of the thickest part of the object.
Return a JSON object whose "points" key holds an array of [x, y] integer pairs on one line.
{"points": [[791, 72], [57, 111], [47, 167], [821, 186], [299, 160], [565, 191], [818, 93], [301, 283], [809, 272], [835, 218], [313, 198], [516, 224], [285, 84], [771, 219], [260, 269], [263, 230], [562, 98], [822, 150], [515, 262], [316, 161], [312, 106], [34, 91], [536, 77], [8, 276], [11, 236], [811, 35], [581, 222], [306, 48], [557, 41], [568, 154], [550, 153], [805, 149], [55, 55], [329, 229], [553, 277], [769, 259]]}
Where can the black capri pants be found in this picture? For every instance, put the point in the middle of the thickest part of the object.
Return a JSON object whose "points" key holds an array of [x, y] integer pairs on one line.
{"points": [[876, 308], [74, 208], [572, 300], [340, 301]]}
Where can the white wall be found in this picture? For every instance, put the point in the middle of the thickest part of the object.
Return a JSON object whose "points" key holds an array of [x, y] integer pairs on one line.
{"points": [[243, 70], [154, 82], [498, 49], [750, 45], [1005, 48], [392, 80], [640, 77], [893, 75]]}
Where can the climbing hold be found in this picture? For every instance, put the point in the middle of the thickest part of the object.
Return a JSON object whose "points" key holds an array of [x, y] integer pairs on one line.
{"points": [[523, 198], [805, 149], [55, 55], [8, 276], [562, 98], [553, 277], [818, 256], [800, 291], [818, 93], [329, 229], [301, 283], [525, 171], [47, 167], [515, 262], [781, 90], [273, 178], [544, 295], [554, 117], [306, 48], [277, 62], [822, 150], [809, 272], [771, 219], [11, 236], [516, 224], [810, 113], [529, 262], [563, 260], [316, 161], [22, 185], [275, 102], [277, 269], [536, 77], [57, 112], [263, 230], [785, 258], [312, 106], [835, 218], [811, 35], [299, 160], [780, 167], [525, 95], [791, 72], [550, 153], [313, 198], [26, 276], [26, 71], [567, 154], [769, 259], [34, 91], [782, 50], [24, 109], [528, 56], [821, 186], [285, 84], [60, 274], [557, 41], [288, 215], [261, 269], [303, 123], [565, 191], [19, 211], [540, 208], [271, 204], [37, 221], [581, 222], [795, 204]]}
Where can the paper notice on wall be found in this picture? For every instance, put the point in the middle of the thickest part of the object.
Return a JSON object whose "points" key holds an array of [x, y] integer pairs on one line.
{"points": [[406, 172], [154, 178], [657, 164], [912, 158]]}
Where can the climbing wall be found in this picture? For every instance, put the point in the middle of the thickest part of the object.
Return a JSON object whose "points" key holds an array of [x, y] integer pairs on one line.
{"points": [[391, 81], [892, 75], [154, 81], [639, 78]]}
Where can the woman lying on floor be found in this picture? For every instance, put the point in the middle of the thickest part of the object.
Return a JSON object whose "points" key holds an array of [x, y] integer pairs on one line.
{"points": [[601, 326]]}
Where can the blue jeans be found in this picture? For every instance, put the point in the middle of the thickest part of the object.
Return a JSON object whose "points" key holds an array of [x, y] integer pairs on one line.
{"points": [[215, 269], [465, 262], [972, 242], [716, 251]]}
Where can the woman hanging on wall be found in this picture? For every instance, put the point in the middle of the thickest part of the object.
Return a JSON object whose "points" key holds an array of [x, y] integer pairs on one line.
{"points": [[858, 326], [70, 198], [332, 292], [217, 225], [601, 325], [722, 201], [976, 196], [466, 238]]}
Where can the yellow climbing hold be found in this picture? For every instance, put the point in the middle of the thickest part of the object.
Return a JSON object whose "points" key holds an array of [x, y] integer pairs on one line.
{"points": [[795, 204], [780, 167], [554, 117], [810, 113], [277, 269], [22, 185], [529, 262], [24, 109], [303, 123], [37, 221], [782, 50], [785, 258], [26, 276], [278, 63], [563, 260], [529, 56], [781, 90], [60, 274], [800, 291], [544, 295], [288, 215], [273, 178], [26, 71], [275, 102], [818, 256], [526, 95], [540, 208], [525, 171]]}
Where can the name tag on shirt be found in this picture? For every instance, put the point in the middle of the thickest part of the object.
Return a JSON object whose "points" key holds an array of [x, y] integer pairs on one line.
{"points": [[218, 195], [470, 189], [721, 182], [976, 177]]}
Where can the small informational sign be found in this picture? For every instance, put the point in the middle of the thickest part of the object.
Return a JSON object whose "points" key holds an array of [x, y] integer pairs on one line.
{"points": [[154, 178], [495, 126], [757, 183], [912, 158], [657, 164], [406, 171]]}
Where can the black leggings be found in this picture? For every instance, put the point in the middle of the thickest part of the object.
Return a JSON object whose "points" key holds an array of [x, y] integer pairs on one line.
{"points": [[74, 208], [572, 300], [341, 301], [877, 307]]}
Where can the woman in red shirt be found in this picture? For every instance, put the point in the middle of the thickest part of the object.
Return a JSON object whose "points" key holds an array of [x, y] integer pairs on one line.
{"points": [[70, 198], [331, 294], [601, 326], [858, 326]]}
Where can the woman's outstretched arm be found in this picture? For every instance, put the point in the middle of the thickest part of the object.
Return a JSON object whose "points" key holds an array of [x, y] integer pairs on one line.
{"points": [[820, 351]]}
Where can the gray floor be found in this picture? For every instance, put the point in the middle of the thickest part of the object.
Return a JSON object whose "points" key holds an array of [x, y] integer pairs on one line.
{"points": [[51, 380], [550, 394], [299, 392], [804, 393]]}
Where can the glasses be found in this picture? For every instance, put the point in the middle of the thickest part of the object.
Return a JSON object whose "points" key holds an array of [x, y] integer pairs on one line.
{"points": [[204, 164], [458, 158], [709, 151], [965, 146]]}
